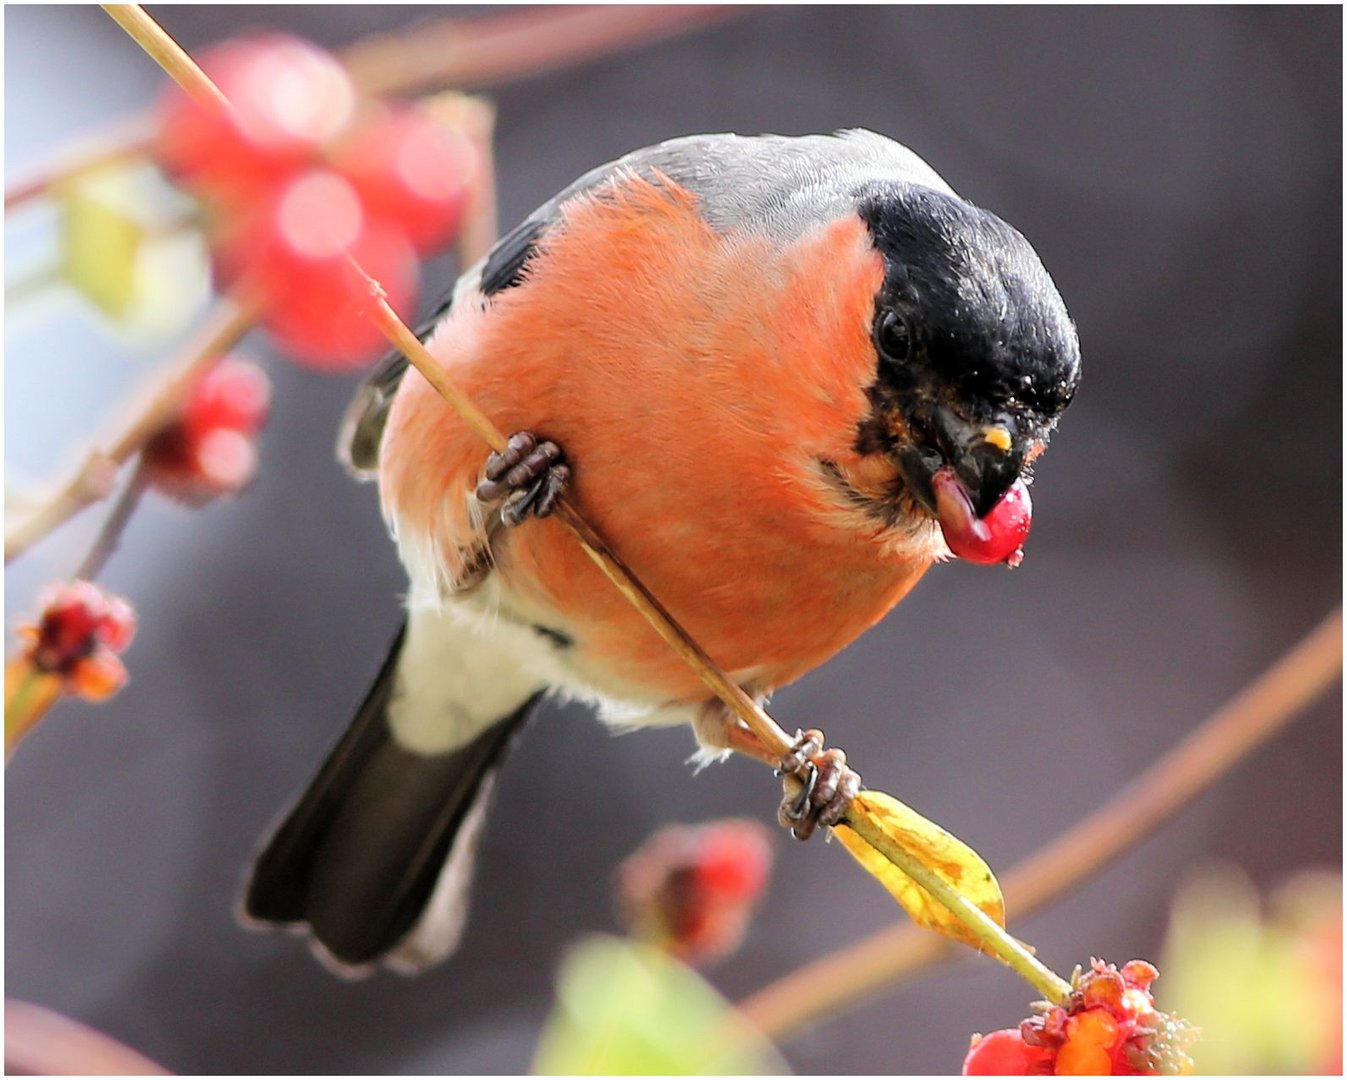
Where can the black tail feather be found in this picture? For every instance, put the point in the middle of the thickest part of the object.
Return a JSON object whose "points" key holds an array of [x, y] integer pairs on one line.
{"points": [[359, 856]]}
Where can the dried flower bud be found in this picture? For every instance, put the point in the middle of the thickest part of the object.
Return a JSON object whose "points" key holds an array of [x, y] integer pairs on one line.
{"points": [[77, 637], [691, 890]]}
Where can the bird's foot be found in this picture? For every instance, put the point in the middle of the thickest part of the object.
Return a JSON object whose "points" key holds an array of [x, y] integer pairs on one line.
{"points": [[529, 475], [819, 785]]}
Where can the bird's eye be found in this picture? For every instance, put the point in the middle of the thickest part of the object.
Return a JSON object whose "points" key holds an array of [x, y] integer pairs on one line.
{"points": [[893, 337]]}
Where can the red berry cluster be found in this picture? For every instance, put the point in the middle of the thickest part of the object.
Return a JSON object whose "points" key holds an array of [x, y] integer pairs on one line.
{"points": [[81, 630], [1109, 1026], [299, 177], [691, 890], [211, 448]]}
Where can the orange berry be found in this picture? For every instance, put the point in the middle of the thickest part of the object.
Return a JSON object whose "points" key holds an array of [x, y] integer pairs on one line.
{"points": [[98, 676]]}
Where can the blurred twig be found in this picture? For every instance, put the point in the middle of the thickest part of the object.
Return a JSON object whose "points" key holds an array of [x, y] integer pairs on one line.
{"points": [[846, 977], [130, 139], [39, 1042], [455, 52], [110, 536], [95, 479], [493, 49]]}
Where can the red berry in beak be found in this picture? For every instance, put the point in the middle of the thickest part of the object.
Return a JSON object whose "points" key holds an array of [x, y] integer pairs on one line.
{"points": [[994, 538]]}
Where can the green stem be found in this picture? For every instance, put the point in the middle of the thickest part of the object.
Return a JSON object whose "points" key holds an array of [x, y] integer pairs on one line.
{"points": [[995, 939], [26, 706]]}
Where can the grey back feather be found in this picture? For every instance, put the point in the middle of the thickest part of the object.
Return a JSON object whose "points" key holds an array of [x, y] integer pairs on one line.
{"points": [[776, 184]]}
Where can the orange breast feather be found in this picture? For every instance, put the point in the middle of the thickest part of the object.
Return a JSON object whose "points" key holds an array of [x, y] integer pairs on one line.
{"points": [[694, 380]]}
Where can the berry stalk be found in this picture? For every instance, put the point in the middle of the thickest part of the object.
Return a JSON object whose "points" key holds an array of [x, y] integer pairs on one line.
{"points": [[29, 693], [110, 535]]}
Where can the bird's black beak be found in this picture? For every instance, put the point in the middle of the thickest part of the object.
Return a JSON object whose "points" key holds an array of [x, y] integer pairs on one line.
{"points": [[987, 456]]}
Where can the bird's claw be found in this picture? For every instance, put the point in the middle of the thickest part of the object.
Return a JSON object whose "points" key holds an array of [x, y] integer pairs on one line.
{"points": [[819, 786], [529, 475]]}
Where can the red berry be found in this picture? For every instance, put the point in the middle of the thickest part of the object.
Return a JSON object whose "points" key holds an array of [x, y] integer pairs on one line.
{"points": [[1003, 1053], [733, 861], [118, 624], [219, 461], [412, 171], [1093, 1041], [692, 890], [70, 623], [288, 98], [97, 676], [296, 252], [210, 450], [225, 459], [1108, 1025], [996, 537], [234, 394], [1139, 974]]}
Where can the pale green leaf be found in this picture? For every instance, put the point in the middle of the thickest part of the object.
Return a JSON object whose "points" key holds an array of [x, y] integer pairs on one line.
{"points": [[624, 1008], [1246, 979], [100, 241]]}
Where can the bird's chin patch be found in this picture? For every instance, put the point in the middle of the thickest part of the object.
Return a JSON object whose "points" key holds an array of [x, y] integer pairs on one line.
{"points": [[923, 539], [871, 493]]}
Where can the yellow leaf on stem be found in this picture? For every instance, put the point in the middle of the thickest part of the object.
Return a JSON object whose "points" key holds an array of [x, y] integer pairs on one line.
{"points": [[948, 857]]}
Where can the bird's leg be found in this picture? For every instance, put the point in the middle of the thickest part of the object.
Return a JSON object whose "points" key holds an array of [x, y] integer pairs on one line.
{"points": [[819, 785], [717, 728], [529, 475]]}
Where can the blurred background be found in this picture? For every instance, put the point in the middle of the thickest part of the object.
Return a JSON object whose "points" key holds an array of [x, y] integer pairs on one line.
{"points": [[1180, 172]]}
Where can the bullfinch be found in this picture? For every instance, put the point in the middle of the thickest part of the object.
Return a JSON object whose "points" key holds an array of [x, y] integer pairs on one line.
{"points": [[782, 376]]}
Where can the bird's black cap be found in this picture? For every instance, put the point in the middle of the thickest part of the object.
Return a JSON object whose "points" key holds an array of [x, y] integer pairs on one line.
{"points": [[969, 331], [986, 316]]}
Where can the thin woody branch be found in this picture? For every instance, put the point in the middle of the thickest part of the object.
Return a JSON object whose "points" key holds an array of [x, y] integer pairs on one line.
{"points": [[110, 536], [39, 1042], [831, 983]]}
